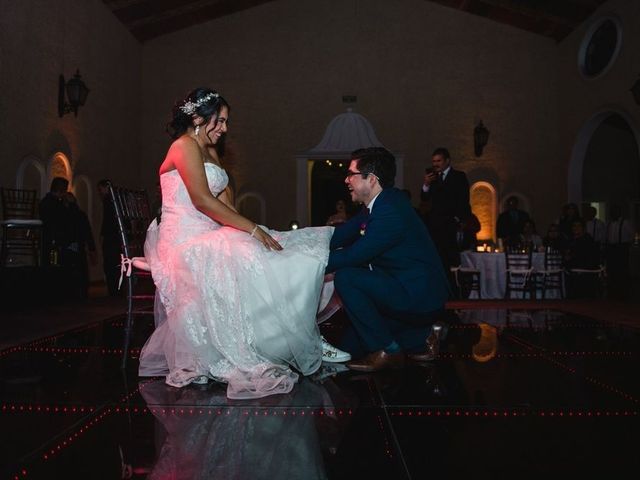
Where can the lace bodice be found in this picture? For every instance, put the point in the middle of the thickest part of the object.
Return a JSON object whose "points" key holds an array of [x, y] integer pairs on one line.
{"points": [[174, 192], [178, 210]]}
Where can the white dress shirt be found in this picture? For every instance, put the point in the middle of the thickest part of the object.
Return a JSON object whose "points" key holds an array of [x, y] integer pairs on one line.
{"points": [[619, 231]]}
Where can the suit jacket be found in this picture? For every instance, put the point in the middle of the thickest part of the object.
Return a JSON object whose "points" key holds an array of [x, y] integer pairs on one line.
{"points": [[394, 240], [449, 202]]}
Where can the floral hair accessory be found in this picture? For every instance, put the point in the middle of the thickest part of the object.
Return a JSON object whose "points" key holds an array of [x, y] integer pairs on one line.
{"points": [[189, 107]]}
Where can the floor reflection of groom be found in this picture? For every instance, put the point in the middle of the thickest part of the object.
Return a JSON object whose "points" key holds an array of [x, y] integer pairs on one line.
{"points": [[387, 270]]}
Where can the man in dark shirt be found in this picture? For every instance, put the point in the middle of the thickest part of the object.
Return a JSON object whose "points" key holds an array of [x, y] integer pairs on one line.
{"points": [[447, 191], [582, 253], [53, 214], [511, 223]]}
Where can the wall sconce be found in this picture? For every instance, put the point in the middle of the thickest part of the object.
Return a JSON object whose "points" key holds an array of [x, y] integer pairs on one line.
{"points": [[480, 138], [635, 91], [76, 92]]}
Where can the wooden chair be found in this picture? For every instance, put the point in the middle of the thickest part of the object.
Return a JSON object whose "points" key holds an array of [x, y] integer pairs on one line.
{"points": [[552, 276], [519, 273], [598, 276], [467, 281], [21, 229], [133, 215]]}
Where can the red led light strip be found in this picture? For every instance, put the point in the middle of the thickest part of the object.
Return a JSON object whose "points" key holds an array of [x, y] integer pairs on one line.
{"points": [[28, 408], [545, 354], [549, 357], [505, 413], [71, 350]]}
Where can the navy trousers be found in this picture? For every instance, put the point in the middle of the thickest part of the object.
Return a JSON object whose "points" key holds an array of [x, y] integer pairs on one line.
{"points": [[381, 312]]}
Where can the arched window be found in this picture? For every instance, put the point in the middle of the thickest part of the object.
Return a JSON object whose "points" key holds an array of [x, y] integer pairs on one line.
{"points": [[59, 166], [484, 205], [84, 193], [31, 175]]}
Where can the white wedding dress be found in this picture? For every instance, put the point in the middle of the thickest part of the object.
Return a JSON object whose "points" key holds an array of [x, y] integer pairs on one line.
{"points": [[227, 308]]}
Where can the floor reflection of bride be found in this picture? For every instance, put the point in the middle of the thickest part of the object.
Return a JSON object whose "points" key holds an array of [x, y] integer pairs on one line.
{"points": [[213, 437]]}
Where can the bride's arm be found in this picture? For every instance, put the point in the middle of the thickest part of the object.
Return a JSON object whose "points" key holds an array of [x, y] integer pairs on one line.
{"points": [[225, 197], [185, 155]]}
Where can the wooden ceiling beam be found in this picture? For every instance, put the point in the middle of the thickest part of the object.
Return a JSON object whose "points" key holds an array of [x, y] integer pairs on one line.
{"points": [[183, 18]]}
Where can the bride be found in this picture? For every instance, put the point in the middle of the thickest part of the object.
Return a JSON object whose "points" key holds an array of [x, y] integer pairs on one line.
{"points": [[237, 302]]}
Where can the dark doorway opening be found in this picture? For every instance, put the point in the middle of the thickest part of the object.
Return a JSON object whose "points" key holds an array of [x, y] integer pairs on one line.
{"points": [[327, 187]]}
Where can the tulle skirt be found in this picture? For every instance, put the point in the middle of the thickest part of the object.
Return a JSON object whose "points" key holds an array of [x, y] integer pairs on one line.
{"points": [[229, 310]]}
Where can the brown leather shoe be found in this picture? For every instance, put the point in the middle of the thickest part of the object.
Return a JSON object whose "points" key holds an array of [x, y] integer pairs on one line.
{"points": [[433, 346], [378, 361]]}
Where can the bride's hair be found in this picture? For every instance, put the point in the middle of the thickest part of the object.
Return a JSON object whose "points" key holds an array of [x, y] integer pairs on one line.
{"points": [[204, 102]]}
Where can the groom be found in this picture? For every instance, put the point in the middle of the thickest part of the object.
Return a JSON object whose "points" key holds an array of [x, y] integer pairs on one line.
{"points": [[387, 271]]}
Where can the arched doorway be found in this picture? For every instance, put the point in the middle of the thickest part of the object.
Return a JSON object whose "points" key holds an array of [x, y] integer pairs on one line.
{"points": [[320, 171], [611, 170], [605, 164], [483, 200], [327, 187]]}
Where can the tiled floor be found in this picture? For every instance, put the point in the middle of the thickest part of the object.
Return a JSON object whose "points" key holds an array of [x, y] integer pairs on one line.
{"points": [[516, 393]]}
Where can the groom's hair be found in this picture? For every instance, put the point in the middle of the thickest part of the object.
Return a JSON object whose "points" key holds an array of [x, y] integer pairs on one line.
{"points": [[378, 161]]}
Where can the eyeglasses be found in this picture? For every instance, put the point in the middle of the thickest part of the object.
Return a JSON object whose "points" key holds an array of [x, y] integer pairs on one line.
{"points": [[364, 174]]}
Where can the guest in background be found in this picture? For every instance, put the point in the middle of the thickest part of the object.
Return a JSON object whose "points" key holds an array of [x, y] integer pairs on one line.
{"points": [[511, 223], [619, 238], [570, 214], [529, 238], [594, 226], [447, 191], [340, 216], [79, 247], [52, 214], [553, 240], [110, 239], [582, 253]]}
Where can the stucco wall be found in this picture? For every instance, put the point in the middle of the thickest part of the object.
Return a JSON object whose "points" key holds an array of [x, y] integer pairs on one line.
{"points": [[41, 39], [423, 75], [585, 103]]}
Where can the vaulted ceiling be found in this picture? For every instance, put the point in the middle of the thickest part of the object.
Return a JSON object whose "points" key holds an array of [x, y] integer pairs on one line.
{"points": [[147, 19]]}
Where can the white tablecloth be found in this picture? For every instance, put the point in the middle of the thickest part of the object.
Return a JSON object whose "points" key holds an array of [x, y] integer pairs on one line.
{"points": [[493, 277]]}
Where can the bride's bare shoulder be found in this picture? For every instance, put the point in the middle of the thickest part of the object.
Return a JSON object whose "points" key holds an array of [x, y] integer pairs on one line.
{"points": [[182, 149], [185, 144]]}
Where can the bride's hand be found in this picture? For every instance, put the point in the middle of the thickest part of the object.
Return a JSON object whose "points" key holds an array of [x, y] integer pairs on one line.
{"points": [[267, 240]]}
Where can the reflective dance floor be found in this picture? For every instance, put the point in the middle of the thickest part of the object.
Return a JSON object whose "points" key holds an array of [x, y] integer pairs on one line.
{"points": [[515, 393]]}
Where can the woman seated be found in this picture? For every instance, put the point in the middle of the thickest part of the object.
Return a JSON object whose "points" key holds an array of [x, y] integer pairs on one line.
{"points": [[529, 238], [553, 240], [340, 216], [238, 301]]}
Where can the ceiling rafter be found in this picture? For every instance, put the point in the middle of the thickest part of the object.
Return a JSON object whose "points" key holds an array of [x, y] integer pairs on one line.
{"points": [[148, 19]]}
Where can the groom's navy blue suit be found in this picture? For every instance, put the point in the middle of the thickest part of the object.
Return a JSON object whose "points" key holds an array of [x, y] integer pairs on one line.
{"points": [[388, 274]]}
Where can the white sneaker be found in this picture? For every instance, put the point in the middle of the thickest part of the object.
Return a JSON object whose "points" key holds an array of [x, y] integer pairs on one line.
{"points": [[333, 355]]}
